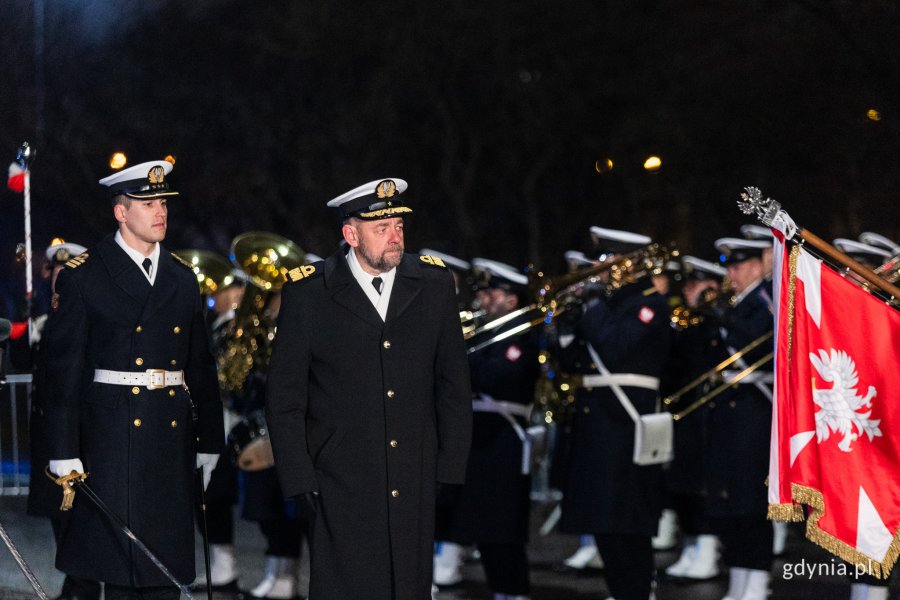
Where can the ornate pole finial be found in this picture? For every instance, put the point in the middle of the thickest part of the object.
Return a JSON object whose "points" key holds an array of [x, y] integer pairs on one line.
{"points": [[752, 202]]}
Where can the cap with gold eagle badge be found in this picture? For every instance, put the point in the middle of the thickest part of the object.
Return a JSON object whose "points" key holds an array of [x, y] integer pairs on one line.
{"points": [[145, 181], [379, 199]]}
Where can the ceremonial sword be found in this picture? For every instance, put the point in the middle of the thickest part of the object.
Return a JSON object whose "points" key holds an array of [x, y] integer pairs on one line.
{"points": [[22, 564]]}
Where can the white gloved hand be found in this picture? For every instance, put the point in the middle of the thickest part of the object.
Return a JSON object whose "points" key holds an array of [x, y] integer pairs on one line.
{"points": [[207, 462], [66, 466]]}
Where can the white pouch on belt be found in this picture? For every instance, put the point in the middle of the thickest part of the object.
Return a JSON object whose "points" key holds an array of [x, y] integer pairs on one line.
{"points": [[653, 433]]}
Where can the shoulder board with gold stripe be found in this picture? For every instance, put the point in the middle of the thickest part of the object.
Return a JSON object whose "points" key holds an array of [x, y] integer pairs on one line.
{"points": [[77, 261], [301, 272], [182, 261], [432, 260]]}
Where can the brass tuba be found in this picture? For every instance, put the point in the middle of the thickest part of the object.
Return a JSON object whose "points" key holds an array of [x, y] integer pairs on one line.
{"points": [[266, 259], [213, 272]]}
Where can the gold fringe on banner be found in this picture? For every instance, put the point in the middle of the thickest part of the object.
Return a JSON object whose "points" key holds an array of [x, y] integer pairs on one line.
{"points": [[786, 512], [813, 498]]}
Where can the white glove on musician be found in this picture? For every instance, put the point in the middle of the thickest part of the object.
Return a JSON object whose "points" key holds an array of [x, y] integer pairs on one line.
{"points": [[207, 462], [64, 467]]}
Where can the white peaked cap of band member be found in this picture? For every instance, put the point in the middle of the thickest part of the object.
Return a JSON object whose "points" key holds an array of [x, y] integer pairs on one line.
{"points": [[692, 263], [377, 199], [733, 243], [876, 239], [576, 258], [751, 231], [309, 258], [499, 270], [600, 234], [143, 181], [63, 251], [853, 247], [449, 260]]}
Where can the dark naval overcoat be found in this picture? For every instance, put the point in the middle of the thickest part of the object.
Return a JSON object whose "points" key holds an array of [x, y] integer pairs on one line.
{"points": [[739, 420], [136, 444], [371, 414], [604, 491]]}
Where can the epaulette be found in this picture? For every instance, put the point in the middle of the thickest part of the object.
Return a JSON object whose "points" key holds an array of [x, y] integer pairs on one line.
{"points": [[77, 261], [182, 261], [432, 260], [301, 272]]}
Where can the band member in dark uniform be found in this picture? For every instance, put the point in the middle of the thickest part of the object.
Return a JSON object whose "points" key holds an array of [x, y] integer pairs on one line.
{"points": [[44, 495], [739, 422], [695, 349], [369, 403], [126, 340], [493, 506], [618, 342]]}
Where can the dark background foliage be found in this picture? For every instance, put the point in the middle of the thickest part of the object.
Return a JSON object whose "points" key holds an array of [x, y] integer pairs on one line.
{"points": [[494, 112]]}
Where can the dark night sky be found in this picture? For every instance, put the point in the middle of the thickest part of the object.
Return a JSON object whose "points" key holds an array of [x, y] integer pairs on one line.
{"points": [[495, 113]]}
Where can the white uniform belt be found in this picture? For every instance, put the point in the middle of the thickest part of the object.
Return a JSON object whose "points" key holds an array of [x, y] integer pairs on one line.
{"points": [[489, 405], [752, 377], [152, 379], [623, 379]]}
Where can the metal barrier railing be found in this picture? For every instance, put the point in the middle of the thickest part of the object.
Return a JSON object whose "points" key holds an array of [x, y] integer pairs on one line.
{"points": [[15, 412]]}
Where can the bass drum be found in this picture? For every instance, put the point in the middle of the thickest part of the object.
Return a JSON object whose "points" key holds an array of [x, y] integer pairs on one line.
{"points": [[249, 444]]}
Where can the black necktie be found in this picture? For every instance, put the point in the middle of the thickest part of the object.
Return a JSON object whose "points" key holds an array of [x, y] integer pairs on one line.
{"points": [[377, 283], [147, 264]]}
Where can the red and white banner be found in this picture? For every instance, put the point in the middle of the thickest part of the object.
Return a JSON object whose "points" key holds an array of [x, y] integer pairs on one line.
{"points": [[836, 411]]}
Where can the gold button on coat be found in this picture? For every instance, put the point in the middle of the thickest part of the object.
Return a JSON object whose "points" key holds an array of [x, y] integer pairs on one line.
{"points": [[137, 422], [139, 361], [174, 424], [390, 393], [177, 329], [393, 443], [386, 344], [395, 493], [135, 390], [171, 392], [138, 329], [173, 362]]}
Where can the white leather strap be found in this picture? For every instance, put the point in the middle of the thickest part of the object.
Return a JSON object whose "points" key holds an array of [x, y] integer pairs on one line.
{"points": [[485, 403], [627, 379], [152, 379]]}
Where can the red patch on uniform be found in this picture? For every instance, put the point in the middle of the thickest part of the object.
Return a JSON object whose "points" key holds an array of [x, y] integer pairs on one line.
{"points": [[646, 315], [513, 353]]}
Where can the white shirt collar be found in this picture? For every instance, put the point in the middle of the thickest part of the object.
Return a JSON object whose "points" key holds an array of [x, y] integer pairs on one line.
{"points": [[138, 258], [740, 297], [379, 301]]}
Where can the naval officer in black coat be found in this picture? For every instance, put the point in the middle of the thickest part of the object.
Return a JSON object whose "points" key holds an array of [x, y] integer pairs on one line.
{"points": [[368, 402], [126, 340]]}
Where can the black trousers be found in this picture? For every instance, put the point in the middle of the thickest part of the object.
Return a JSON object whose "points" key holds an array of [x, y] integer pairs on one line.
{"points": [[628, 560], [746, 542], [74, 587], [283, 536], [505, 568], [122, 592], [692, 519]]}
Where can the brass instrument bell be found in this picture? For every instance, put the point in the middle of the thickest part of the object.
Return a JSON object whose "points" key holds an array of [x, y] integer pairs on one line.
{"points": [[213, 271], [266, 258]]}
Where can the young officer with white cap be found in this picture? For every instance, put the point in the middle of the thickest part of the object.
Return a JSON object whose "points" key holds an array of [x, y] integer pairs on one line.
{"points": [[126, 339], [369, 406]]}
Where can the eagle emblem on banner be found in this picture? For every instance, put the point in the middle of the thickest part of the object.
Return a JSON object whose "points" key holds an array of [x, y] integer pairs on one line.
{"points": [[843, 411]]}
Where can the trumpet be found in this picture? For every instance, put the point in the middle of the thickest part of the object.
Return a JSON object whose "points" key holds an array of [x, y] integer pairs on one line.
{"points": [[684, 316], [470, 320], [556, 295]]}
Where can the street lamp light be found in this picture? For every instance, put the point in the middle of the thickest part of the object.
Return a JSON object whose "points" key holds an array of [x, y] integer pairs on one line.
{"points": [[118, 160]]}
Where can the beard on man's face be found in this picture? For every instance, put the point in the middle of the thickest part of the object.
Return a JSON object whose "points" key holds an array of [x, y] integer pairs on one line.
{"points": [[383, 262]]}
